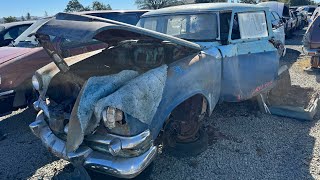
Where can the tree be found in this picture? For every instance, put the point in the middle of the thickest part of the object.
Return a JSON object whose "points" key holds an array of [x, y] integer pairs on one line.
{"points": [[28, 16], [96, 6], [9, 19], [209, 1], [22, 18], [74, 6], [156, 4], [46, 14]]}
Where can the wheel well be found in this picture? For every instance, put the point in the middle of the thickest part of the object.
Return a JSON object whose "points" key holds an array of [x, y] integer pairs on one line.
{"points": [[197, 99], [185, 120]]}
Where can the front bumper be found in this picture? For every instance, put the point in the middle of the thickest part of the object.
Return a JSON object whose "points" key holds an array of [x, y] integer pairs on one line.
{"points": [[311, 52], [122, 167]]}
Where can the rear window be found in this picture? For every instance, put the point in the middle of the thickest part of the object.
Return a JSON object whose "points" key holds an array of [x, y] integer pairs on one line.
{"points": [[193, 27]]}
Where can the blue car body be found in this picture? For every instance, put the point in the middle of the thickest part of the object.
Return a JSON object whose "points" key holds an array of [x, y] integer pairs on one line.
{"points": [[225, 69]]}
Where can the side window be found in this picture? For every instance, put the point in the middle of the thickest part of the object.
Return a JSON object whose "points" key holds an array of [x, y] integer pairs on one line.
{"points": [[235, 28], [150, 23], [225, 19], [14, 32], [251, 25]]}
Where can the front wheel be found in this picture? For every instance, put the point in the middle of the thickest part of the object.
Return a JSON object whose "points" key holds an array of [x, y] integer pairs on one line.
{"points": [[183, 132]]}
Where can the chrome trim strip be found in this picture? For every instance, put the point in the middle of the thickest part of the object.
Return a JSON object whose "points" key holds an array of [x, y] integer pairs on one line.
{"points": [[127, 143], [6, 93]]}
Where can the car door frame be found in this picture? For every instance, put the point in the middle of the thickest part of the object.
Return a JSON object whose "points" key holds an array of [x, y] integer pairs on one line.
{"points": [[236, 59]]}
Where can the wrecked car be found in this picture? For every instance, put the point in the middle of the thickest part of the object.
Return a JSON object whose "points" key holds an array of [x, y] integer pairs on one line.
{"points": [[283, 10], [110, 110], [19, 61], [10, 31], [311, 43], [278, 31]]}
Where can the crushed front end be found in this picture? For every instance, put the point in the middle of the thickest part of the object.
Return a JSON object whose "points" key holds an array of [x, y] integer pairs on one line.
{"points": [[119, 156]]}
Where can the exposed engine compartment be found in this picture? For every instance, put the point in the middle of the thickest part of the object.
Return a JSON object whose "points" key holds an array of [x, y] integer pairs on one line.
{"points": [[137, 55]]}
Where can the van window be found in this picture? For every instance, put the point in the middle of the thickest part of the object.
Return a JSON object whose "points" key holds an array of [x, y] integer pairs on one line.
{"points": [[252, 25]]}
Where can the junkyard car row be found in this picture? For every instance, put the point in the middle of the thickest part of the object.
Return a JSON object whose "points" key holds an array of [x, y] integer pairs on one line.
{"points": [[114, 92]]}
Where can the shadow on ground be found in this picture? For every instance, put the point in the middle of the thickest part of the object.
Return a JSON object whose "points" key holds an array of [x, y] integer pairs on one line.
{"points": [[21, 152], [292, 55]]}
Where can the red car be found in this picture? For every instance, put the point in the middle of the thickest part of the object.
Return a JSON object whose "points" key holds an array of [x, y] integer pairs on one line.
{"points": [[18, 63], [311, 43]]}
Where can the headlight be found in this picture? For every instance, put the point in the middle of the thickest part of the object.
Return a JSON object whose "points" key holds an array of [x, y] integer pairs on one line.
{"points": [[111, 116], [36, 83]]}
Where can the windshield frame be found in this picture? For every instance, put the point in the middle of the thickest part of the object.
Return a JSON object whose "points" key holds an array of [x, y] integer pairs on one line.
{"points": [[187, 13]]}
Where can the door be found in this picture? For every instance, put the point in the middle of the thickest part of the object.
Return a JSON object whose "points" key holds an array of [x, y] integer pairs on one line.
{"points": [[250, 61]]}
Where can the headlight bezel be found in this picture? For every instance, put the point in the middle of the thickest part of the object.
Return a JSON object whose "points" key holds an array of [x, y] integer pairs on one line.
{"points": [[37, 82]]}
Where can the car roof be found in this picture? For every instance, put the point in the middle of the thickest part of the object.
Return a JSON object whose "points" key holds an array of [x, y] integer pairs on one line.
{"points": [[12, 24], [110, 11], [204, 7]]}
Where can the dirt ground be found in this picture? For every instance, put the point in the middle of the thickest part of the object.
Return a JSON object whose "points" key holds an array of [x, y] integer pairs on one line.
{"points": [[243, 143]]}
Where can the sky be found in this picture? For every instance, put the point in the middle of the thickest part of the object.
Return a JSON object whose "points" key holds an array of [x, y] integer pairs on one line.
{"points": [[38, 7]]}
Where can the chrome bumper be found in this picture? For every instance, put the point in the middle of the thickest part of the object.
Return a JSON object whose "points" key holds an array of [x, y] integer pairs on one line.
{"points": [[122, 167], [311, 52]]}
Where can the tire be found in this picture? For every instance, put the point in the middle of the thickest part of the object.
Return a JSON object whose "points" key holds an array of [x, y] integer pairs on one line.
{"points": [[192, 148]]}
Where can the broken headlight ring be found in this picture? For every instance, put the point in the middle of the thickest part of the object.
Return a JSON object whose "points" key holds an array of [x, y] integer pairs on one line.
{"points": [[111, 116]]}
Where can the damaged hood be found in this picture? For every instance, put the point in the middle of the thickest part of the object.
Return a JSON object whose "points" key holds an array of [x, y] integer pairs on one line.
{"points": [[136, 95], [86, 28]]}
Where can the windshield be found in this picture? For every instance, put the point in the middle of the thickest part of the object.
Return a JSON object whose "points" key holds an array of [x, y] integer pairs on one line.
{"points": [[128, 18], [195, 27], [24, 41]]}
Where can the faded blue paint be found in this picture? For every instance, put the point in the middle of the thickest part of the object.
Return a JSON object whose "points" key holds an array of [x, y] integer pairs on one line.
{"points": [[201, 77], [233, 72], [248, 68]]}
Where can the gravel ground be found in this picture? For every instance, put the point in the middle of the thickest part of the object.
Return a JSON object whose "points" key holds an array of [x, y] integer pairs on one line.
{"points": [[243, 143]]}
